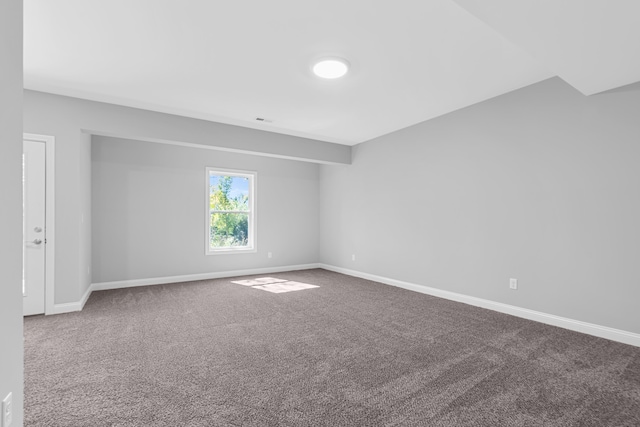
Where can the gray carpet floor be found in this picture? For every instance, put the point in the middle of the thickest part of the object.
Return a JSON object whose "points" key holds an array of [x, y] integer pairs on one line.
{"points": [[349, 353]]}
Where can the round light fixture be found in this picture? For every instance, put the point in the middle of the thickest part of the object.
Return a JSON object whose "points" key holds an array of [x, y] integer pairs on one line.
{"points": [[331, 68]]}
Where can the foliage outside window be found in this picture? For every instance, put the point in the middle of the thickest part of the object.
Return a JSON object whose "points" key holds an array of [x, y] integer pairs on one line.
{"points": [[230, 222]]}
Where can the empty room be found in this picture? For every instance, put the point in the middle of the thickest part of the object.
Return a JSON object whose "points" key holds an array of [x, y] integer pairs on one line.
{"points": [[320, 213]]}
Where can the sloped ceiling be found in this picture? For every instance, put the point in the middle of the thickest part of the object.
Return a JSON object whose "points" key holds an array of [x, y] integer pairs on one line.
{"points": [[593, 45], [411, 60]]}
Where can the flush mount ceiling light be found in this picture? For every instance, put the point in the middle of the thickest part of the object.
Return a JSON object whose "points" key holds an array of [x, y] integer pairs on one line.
{"points": [[331, 68]]}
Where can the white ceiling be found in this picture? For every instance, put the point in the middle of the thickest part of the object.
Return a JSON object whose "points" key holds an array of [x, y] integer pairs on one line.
{"points": [[594, 45], [412, 60]]}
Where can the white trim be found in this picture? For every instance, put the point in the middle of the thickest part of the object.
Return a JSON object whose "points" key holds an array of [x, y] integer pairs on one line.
{"points": [[85, 297], [50, 221], [550, 319], [67, 307], [70, 307], [253, 215], [202, 276]]}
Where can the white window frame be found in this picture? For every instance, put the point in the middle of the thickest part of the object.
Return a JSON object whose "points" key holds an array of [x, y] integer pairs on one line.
{"points": [[252, 238]]}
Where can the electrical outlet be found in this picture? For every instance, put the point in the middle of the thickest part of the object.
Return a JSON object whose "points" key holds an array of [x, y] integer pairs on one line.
{"points": [[353, 257], [513, 283], [7, 410], [269, 254]]}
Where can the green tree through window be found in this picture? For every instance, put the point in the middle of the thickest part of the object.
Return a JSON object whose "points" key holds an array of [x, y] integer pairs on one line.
{"points": [[230, 211]]}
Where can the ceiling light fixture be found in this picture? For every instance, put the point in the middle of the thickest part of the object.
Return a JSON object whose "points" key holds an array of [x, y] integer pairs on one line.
{"points": [[331, 68]]}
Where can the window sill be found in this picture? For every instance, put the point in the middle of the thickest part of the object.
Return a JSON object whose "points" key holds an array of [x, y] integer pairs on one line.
{"points": [[231, 251]]}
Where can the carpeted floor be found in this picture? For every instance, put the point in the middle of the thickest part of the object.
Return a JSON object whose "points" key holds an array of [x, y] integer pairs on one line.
{"points": [[348, 353]]}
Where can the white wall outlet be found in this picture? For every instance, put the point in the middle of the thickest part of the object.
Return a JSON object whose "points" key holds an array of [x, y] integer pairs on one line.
{"points": [[513, 283], [7, 410], [353, 257], [269, 255]]}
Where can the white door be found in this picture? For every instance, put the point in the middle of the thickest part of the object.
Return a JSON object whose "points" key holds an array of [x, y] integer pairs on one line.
{"points": [[33, 208]]}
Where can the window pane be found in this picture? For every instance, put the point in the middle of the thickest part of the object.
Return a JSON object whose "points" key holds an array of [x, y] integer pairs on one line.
{"points": [[229, 193], [229, 230]]}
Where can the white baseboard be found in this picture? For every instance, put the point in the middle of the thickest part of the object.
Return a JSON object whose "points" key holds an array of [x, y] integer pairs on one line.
{"points": [[86, 296], [550, 319], [73, 306], [103, 286], [66, 307]]}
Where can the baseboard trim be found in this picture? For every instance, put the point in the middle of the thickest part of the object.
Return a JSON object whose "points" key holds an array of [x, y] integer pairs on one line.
{"points": [[86, 296], [70, 307], [103, 286], [550, 319], [67, 307]]}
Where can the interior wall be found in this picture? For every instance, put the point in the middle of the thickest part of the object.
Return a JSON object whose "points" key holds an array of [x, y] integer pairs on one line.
{"points": [[53, 120], [66, 118], [540, 185], [11, 356], [101, 118], [84, 227], [149, 210]]}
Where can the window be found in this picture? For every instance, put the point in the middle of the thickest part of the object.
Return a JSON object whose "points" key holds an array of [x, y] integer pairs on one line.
{"points": [[230, 211]]}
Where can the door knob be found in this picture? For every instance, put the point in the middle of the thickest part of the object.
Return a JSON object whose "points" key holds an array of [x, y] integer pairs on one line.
{"points": [[37, 241], [37, 229]]}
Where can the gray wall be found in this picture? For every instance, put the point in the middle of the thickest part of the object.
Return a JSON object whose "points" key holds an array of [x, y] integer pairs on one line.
{"points": [[113, 120], [66, 118], [11, 365], [149, 210], [541, 184], [84, 227]]}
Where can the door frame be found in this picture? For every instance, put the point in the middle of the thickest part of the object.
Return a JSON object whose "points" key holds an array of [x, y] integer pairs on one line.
{"points": [[49, 255]]}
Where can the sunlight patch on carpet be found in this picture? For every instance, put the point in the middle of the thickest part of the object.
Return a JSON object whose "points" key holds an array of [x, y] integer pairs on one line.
{"points": [[278, 288], [258, 281], [274, 285]]}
